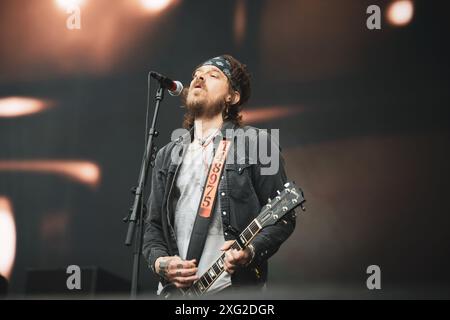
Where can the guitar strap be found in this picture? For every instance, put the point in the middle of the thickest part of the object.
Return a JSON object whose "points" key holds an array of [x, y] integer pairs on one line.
{"points": [[207, 203]]}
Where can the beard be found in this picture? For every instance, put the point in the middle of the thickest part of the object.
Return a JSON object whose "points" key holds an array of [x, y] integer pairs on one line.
{"points": [[200, 106]]}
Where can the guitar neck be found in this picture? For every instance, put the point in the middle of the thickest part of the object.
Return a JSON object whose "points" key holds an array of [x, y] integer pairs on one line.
{"points": [[213, 273]]}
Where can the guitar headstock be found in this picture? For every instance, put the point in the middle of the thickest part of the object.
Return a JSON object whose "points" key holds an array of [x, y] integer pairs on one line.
{"points": [[286, 200]]}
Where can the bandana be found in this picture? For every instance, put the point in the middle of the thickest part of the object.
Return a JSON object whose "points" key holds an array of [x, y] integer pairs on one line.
{"points": [[225, 66]]}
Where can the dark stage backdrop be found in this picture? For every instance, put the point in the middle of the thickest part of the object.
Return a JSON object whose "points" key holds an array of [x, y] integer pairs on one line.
{"points": [[363, 118]]}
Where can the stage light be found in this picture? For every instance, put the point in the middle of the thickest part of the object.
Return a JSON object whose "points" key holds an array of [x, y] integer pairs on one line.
{"points": [[67, 4], [7, 238], [400, 13], [240, 21], [155, 5], [88, 173], [269, 113], [81, 171], [19, 106]]}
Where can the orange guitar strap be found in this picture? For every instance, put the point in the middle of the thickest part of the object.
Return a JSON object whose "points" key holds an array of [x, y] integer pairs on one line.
{"points": [[207, 203]]}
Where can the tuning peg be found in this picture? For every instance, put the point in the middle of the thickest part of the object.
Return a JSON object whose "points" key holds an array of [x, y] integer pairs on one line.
{"points": [[278, 191], [269, 200], [287, 184], [303, 207]]}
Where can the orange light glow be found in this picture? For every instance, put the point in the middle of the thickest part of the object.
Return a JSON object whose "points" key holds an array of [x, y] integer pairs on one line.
{"points": [[155, 5], [271, 113], [67, 4], [54, 225], [81, 171], [19, 106], [240, 16], [400, 13], [7, 238]]}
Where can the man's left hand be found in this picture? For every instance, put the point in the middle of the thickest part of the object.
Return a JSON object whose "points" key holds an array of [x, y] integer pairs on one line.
{"points": [[235, 258]]}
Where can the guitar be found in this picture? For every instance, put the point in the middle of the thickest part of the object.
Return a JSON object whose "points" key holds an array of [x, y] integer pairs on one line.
{"points": [[271, 213]]}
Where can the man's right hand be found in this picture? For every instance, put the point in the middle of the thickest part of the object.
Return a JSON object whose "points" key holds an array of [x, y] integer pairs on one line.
{"points": [[180, 272]]}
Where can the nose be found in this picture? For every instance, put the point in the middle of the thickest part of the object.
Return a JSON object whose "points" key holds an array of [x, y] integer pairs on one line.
{"points": [[199, 79]]}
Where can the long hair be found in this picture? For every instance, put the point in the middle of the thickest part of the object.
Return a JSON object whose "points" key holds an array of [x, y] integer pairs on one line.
{"points": [[230, 112]]}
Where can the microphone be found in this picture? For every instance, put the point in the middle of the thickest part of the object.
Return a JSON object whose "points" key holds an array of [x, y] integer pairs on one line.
{"points": [[174, 87]]}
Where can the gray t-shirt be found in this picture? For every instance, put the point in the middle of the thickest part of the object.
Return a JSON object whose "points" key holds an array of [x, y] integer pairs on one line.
{"points": [[190, 182]]}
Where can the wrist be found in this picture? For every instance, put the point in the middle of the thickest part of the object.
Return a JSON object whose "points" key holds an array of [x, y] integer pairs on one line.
{"points": [[251, 250]]}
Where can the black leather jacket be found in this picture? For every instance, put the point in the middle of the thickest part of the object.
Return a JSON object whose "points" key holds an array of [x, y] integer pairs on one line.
{"points": [[242, 192]]}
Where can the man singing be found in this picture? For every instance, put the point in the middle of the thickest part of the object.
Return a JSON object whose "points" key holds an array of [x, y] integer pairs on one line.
{"points": [[173, 243]]}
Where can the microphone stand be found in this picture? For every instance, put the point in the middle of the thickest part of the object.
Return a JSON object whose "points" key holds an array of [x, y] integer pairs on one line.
{"points": [[137, 210]]}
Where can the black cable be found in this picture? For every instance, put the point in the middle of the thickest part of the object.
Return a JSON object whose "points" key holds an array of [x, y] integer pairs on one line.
{"points": [[148, 107]]}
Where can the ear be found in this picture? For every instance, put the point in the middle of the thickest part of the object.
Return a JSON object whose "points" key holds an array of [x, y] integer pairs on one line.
{"points": [[234, 98]]}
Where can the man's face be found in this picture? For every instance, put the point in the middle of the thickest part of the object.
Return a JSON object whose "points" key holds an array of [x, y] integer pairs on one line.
{"points": [[208, 91]]}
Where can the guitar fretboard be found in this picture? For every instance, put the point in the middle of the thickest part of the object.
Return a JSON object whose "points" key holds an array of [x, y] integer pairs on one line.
{"points": [[214, 272]]}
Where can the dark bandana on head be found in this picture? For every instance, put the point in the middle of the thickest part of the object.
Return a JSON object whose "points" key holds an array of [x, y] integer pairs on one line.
{"points": [[225, 66]]}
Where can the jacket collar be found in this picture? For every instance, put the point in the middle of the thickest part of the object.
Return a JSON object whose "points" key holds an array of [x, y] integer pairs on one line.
{"points": [[188, 137]]}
